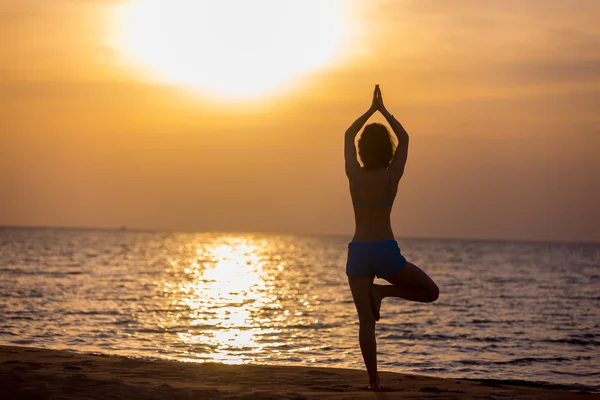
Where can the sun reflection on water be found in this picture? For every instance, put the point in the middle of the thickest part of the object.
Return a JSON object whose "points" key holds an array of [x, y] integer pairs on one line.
{"points": [[224, 294]]}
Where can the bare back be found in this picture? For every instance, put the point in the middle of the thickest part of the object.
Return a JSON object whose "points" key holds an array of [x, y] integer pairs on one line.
{"points": [[373, 193]]}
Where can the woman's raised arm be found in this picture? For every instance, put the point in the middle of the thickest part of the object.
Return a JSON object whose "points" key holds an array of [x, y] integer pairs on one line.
{"points": [[349, 147], [399, 160]]}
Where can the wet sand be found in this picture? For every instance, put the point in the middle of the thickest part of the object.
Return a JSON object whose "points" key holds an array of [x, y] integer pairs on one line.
{"points": [[30, 373]]}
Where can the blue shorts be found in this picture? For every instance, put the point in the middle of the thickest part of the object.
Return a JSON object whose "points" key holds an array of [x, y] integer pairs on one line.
{"points": [[381, 259]]}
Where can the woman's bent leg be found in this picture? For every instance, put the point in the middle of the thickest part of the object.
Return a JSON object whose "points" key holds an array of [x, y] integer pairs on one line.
{"points": [[410, 283]]}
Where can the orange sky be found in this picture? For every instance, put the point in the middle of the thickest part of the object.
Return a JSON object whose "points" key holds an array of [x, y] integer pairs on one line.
{"points": [[500, 98]]}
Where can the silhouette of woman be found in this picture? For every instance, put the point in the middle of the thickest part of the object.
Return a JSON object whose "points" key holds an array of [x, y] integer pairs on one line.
{"points": [[373, 250]]}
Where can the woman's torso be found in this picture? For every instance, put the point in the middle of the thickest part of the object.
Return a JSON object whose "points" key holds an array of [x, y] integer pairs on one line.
{"points": [[373, 193]]}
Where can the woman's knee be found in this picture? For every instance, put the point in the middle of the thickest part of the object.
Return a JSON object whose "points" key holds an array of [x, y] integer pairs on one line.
{"points": [[367, 328], [433, 293], [366, 334]]}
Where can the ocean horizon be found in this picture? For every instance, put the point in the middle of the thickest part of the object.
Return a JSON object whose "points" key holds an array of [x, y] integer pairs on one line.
{"points": [[347, 236]]}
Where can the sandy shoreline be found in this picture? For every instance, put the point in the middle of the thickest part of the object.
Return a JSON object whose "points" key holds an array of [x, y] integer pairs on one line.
{"points": [[31, 373]]}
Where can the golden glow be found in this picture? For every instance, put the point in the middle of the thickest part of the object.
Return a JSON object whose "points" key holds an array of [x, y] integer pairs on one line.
{"points": [[232, 48], [224, 297]]}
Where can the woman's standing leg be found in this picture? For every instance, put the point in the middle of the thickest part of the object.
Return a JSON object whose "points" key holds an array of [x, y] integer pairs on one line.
{"points": [[361, 289]]}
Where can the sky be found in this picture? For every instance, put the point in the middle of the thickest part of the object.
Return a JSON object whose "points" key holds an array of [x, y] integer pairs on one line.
{"points": [[501, 99]]}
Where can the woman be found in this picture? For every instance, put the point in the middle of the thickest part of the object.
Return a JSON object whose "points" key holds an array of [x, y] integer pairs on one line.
{"points": [[373, 250]]}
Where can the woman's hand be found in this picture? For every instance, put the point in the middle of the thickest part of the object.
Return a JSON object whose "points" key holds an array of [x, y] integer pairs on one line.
{"points": [[380, 105], [376, 100]]}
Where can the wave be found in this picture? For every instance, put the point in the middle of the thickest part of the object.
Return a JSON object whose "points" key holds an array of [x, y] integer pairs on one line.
{"points": [[525, 360], [579, 342]]}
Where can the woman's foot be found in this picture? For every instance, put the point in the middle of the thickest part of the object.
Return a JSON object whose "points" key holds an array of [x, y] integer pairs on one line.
{"points": [[375, 386], [375, 301], [379, 388]]}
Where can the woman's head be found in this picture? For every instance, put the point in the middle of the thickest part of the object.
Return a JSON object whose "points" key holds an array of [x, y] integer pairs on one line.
{"points": [[375, 146]]}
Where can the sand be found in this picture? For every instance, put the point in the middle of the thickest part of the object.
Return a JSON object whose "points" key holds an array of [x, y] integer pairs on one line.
{"points": [[30, 373]]}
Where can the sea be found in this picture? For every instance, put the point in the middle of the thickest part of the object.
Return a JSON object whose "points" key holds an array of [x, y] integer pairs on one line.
{"points": [[507, 310]]}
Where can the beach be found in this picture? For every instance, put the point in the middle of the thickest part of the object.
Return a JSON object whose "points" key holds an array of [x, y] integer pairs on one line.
{"points": [[32, 373]]}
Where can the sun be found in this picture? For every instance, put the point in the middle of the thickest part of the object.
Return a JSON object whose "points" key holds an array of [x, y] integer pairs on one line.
{"points": [[231, 48]]}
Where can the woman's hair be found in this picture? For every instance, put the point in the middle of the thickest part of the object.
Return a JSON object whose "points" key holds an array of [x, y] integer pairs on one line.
{"points": [[375, 146]]}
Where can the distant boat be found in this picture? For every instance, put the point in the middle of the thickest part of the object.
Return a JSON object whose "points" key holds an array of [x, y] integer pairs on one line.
{"points": [[123, 228]]}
